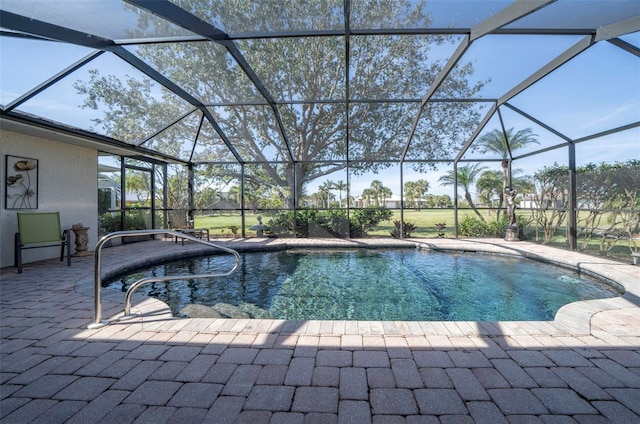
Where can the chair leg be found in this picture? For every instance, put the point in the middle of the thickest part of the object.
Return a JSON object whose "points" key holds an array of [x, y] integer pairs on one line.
{"points": [[67, 241], [18, 253]]}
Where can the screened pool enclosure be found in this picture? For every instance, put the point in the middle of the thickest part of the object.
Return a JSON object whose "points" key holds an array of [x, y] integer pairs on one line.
{"points": [[342, 118]]}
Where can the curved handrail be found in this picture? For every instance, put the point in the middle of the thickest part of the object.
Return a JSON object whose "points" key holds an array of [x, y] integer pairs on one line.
{"points": [[140, 282], [97, 301]]}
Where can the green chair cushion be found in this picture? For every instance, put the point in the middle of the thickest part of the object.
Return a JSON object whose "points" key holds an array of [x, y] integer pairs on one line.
{"points": [[39, 227]]}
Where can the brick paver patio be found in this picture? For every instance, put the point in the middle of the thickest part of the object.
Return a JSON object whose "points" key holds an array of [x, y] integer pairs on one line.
{"points": [[584, 367]]}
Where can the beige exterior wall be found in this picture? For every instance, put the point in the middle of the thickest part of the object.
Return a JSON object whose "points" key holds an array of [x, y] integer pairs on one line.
{"points": [[67, 183]]}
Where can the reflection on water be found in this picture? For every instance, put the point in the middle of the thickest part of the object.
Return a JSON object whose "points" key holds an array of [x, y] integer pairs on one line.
{"points": [[374, 284]]}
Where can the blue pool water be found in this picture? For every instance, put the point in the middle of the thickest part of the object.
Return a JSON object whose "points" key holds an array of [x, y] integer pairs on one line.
{"points": [[374, 284]]}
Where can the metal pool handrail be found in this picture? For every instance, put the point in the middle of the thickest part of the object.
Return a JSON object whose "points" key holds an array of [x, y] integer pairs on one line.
{"points": [[97, 300]]}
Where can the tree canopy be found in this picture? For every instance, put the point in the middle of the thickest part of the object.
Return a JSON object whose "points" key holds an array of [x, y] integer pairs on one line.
{"points": [[301, 83], [464, 178]]}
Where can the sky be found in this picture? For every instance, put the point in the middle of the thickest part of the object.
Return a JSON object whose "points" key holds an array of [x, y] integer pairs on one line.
{"points": [[596, 91]]}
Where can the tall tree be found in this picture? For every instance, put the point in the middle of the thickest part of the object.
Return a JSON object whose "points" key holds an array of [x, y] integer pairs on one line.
{"points": [[490, 186], [234, 195], [329, 186], [421, 187], [466, 177], [551, 199], [414, 191], [207, 197], [139, 183], [384, 194], [325, 191], [503, 144], [341, 186], [307, 78], [523, 184], [409, 193], [380, 192], [368, 197], [444, 201]]}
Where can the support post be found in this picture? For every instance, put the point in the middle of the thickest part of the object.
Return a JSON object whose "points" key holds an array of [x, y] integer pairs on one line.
{"points": [[455, 199], [573, 207], [191, 186], [401, 200]]}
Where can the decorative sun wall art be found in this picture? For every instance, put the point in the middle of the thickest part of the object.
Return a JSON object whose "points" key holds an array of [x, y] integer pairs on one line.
{"points": [[21, 179]]}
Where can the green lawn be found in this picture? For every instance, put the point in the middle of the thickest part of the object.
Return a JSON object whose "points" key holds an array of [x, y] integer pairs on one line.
{"points": [[220, 224], [617, 250], [425, 221]]}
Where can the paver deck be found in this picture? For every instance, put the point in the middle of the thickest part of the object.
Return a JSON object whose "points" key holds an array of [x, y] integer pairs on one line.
{"points": [[583, 367]]}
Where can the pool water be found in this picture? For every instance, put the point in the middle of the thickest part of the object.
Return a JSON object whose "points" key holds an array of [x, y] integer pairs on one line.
{"points": [[374, 284]]}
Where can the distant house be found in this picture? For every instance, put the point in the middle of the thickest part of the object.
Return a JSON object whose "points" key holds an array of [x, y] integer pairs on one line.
{"points": [[533, 201], [108, 188], [394, 202]]}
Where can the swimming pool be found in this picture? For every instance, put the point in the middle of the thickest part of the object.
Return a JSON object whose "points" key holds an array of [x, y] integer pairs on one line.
{"points": [[373, 284]]}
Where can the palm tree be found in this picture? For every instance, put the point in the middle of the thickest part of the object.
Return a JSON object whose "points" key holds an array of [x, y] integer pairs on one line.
{"points": [[384, 194], [322, 196], [524, 184], [489, 186], [340, 186], [252, 196], [503, 143], [443, 201], [316, 199], [327, 186], [381, 193], [234, 193], [368, 194], [416, 190], [207, 197], [465, 178], [410, 193], [376, 187]]}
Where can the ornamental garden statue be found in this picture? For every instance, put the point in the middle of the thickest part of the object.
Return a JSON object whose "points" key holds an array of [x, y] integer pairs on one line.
{"points": [[512, 224]]}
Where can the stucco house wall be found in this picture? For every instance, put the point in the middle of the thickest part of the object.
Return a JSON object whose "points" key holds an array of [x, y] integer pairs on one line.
{"points": [[67, 183]]}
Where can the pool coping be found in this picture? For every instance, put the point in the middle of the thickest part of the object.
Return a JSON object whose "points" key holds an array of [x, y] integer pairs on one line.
{"points": [[574, 318]]}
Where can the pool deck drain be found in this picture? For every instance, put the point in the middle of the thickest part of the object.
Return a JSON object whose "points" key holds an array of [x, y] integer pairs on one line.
{"points": [[582, 367]]}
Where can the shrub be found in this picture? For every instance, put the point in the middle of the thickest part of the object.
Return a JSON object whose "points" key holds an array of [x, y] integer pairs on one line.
{"points": [[406, 228], [525, 230], [334, 222], [337, 223], [282, 224], [470, 226], [110, 222], [363, 220], [497, 227]]}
